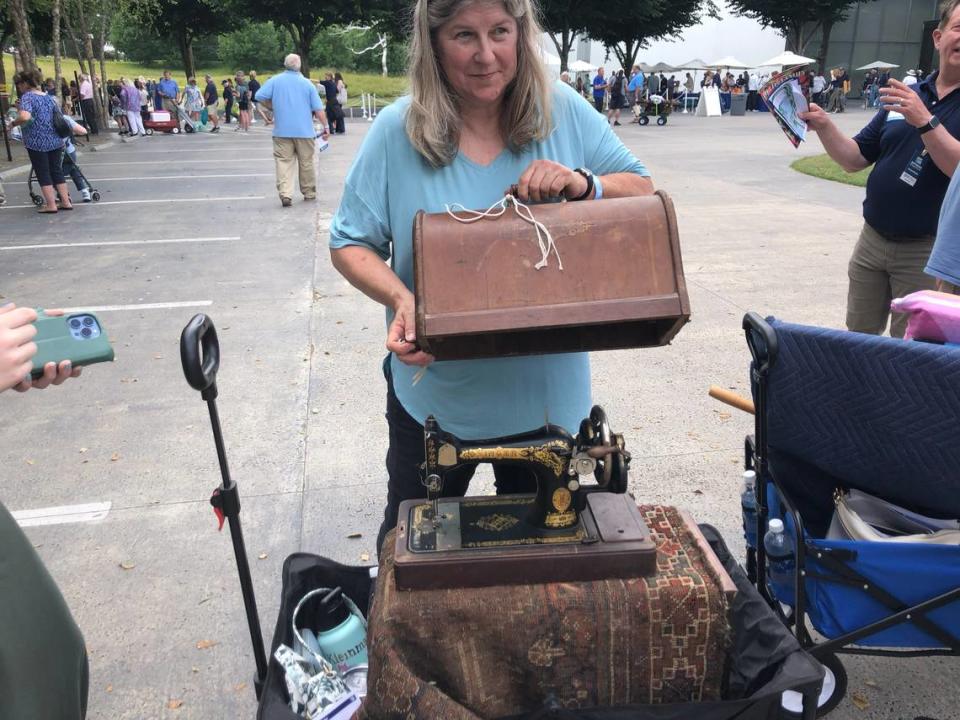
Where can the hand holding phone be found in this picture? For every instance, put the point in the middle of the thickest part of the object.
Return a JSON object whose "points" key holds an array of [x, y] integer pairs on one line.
{"points": [[65, 343], [16, 344]]}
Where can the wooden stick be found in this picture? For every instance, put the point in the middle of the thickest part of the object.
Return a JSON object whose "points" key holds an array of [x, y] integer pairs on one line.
{"points": [[732, 399]]}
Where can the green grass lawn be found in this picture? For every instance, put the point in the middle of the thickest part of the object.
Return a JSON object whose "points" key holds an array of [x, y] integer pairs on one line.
{"points": [[822, 166], [388, 88]]}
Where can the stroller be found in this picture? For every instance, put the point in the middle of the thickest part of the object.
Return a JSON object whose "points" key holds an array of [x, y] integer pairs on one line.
{"points": [[764, 662], [838, 411], [657, 106], [71, 169]]}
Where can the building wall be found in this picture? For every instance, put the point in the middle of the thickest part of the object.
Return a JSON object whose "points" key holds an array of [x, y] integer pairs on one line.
{"points": [[888, 30]]}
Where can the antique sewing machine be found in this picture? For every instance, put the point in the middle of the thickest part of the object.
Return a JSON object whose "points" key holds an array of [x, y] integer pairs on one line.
{"points": [[567, 531]]}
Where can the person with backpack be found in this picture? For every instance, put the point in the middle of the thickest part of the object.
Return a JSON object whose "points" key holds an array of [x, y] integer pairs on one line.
{"points": [[39, 114], [617, 101]]}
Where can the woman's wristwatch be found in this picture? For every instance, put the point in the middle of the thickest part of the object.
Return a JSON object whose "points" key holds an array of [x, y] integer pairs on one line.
{"points": [[593, 181]]}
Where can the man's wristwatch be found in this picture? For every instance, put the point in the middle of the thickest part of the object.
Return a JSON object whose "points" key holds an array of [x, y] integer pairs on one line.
{"points": [[933, 123], [588, 176]]}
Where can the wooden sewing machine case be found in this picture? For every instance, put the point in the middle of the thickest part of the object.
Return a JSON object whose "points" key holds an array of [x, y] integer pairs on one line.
{"points": [[478, 293]]}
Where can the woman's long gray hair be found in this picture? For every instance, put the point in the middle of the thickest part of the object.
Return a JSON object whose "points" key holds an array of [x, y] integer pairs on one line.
{"points": [[433, 120]]}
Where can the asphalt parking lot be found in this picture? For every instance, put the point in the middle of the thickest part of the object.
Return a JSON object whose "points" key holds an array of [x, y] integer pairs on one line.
{"points": [[191, 224]]}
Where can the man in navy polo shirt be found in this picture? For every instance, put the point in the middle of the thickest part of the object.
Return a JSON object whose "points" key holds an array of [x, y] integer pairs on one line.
{"points": [[599, 89], [912, 143]]}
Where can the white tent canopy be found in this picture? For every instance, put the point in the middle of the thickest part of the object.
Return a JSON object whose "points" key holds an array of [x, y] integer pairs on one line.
{"points": [[788, 59], [878, 65], [695, 64], [662, 67], [580, 66], [728, 62]]}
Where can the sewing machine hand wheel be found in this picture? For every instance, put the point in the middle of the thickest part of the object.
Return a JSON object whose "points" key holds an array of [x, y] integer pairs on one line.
{"points": [[611, 470]]}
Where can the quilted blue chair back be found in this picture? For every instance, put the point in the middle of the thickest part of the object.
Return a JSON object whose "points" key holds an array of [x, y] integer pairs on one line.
{"points": [[879, 414]]}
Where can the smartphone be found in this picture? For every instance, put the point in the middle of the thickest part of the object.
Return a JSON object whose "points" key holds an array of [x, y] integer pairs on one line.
{"points": [[77, 337]]}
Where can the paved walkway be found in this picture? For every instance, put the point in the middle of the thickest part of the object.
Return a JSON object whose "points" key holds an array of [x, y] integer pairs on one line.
{"points": [[192, 223]]}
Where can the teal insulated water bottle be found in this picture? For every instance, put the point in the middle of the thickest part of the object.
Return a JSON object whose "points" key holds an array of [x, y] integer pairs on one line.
{"points": [[341, 635]]}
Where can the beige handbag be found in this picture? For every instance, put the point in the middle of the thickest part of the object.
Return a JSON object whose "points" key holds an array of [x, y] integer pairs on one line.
{"points": [[860, 516]]}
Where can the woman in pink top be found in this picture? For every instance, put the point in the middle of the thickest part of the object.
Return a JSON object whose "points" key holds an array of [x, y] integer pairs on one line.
{"points": [[130, 97]]}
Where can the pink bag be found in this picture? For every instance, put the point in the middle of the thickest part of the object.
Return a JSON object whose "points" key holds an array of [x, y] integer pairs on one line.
{"points": [[934, 316]]}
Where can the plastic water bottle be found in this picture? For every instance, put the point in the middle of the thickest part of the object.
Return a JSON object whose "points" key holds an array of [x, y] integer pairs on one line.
{"points": [[748, 506], [781, 561]]}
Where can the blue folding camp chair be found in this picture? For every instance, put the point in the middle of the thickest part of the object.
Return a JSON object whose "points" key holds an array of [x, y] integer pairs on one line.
{"points": [[841, 410]]}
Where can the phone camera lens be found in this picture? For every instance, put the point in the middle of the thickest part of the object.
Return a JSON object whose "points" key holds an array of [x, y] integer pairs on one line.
{"points": [[88, 321], [86, 332], [75, 323]]}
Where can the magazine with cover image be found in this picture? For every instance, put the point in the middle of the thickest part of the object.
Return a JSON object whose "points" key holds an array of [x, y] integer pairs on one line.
{"points": [[784, 98]]}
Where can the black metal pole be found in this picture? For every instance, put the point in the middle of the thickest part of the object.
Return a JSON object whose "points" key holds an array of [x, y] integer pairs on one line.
{"points": [[230, 499]]}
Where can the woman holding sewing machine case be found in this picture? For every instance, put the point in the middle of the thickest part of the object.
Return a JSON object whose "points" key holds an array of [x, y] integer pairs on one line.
{"points": [[481, 116]]}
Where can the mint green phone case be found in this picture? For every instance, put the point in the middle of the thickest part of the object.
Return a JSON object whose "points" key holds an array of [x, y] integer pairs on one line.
{"points": [[78, 337]]}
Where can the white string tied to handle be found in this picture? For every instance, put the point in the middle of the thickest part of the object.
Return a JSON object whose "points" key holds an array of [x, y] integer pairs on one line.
{"points": [[544, 238]]}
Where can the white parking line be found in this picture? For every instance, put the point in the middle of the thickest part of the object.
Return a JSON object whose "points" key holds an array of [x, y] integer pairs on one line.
{"points": [[89, 162], [142, 202], [63, 514], [122, 242], [171, 152], [165, 177], [142, 306]]}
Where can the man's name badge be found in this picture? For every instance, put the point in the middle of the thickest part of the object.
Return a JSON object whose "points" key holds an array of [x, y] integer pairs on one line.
{"points": [[914, 168]]}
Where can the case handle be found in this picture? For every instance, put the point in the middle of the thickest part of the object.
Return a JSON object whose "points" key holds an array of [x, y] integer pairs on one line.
{"points": [[200, 354]]}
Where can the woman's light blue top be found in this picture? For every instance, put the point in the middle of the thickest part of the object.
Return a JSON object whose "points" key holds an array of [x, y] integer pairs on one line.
{"points": [[389, 182]]}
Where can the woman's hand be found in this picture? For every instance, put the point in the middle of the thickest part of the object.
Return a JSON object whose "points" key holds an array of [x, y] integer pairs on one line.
{"points": [[16, 345], [16, 349], [53, 374], [545, 179], [402, 334]]}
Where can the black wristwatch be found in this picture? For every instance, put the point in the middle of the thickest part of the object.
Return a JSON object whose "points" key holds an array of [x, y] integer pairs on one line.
{"points": [[934, 122], [588, 176]]}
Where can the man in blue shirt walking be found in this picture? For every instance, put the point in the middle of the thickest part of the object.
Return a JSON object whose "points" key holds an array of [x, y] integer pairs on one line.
{"points": [[294, 102], [599, 89]]}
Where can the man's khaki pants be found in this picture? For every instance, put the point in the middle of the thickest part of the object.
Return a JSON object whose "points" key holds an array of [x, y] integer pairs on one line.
{"points": [[880, 270], [290, 152]]}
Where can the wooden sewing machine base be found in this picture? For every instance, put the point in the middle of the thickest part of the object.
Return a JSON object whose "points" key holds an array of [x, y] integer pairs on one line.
{"points": [[482, 541]]}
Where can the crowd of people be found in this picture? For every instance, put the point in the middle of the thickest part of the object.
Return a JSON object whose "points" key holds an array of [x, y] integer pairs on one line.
{"points": [[614, 92], [47, 119]]}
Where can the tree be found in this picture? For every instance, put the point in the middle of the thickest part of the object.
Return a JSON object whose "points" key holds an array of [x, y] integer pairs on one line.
{"points": [[17, 10], [57, 68], [77, 15], [626, 26], [183, 21], [798, 22], [564, 21], [303, 20], [255, 45]]}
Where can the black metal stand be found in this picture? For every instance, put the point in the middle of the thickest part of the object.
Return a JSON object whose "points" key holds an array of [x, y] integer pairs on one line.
{"points": [[200, 369]]}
